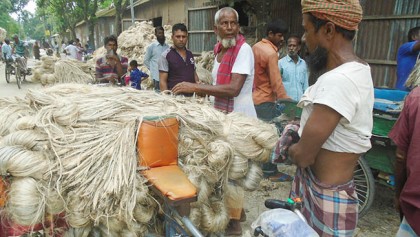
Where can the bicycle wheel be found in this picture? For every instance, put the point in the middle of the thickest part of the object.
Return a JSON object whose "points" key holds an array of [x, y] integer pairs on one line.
{"points": [[8, 71], [365, 185], [18, 77]]}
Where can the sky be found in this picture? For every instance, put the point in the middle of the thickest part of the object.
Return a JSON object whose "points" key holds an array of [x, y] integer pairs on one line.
{"points": [[30, 7]]}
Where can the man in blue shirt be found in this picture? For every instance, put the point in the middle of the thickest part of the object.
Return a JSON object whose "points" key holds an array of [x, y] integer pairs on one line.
{"points": [[294, 70], [153, 52], [407, 56]]}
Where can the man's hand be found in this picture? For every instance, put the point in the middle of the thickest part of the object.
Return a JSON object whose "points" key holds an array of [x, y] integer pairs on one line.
{"points": [[184, 87]]}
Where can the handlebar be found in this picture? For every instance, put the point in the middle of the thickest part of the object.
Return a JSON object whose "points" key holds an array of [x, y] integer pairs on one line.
{"points": [[290, 204]]}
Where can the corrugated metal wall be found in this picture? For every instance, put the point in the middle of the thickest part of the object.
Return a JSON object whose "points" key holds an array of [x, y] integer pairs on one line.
{"points": [[291, 12], [201, 36], [383, 30]]}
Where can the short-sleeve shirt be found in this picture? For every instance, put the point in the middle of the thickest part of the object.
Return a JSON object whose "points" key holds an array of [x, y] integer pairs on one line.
{"points": [[406, 59], [244, 64], [6, 50], [294, 75], [178, 68], [347, 89], [20, 48], [103, 69], [406, 134], [135, 78], [153, 53], [72, 50]]}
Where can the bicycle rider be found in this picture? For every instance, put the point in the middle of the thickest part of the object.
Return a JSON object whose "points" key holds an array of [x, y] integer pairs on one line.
{"points": [[20, 49]]}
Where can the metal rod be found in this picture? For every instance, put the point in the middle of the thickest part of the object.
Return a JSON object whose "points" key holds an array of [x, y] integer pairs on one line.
{"points": [[132, 12]]}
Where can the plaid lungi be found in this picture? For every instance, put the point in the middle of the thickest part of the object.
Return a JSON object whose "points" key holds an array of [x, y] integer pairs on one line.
{"points": [[332, 211]]}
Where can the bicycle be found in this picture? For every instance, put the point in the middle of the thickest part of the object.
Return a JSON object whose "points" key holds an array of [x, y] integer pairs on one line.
{"points": [[9, 69], [20, 73], [284, 218]]}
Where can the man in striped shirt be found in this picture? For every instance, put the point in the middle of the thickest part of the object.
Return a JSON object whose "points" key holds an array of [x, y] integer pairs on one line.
{"points": [[111, 67]]}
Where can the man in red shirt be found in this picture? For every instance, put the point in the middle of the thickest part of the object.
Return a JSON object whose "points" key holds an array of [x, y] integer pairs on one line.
{"points": [[406, 134]]}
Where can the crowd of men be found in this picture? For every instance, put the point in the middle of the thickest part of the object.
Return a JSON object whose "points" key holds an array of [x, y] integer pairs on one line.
{"points": [[336, 122]]}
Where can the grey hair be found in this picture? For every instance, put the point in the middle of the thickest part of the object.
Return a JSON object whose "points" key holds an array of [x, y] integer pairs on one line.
{"points": [[217, 15]]}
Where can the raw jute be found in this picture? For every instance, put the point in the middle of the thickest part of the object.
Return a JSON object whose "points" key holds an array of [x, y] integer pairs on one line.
{"points": [[74, 147]]}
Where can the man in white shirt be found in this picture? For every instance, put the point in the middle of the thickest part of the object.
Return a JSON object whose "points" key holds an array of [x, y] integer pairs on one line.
{"points": [[233, 79], [72, 50], [6, 50], [237, 89]]}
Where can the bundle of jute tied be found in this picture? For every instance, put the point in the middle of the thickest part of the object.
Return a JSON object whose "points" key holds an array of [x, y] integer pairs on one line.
{"points": [[53, 70], [71, 149]]}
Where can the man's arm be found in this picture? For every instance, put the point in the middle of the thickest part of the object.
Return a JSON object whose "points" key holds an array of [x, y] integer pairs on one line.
{"points": [[319, 126], [163, 80], [148, 56], [228, 90], [98, 72], [118, 64], [276, 81], [400, 173], [416, 46]]}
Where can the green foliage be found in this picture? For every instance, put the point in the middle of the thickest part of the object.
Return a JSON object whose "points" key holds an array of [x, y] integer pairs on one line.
{"points": [[105, 4], [9, 24]]}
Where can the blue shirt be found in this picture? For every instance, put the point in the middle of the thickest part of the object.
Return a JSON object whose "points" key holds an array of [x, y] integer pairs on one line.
{"points": [[152, 56], [6, 50], [294, 75], [135, 78], [406, 59]]}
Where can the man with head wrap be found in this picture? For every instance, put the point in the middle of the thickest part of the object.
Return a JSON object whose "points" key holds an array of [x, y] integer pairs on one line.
{"points": [[336, 121]]}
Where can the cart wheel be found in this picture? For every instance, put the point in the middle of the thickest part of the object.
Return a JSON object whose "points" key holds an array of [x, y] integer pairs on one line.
{"points": [[18, 76], [365, 185], [8, 71]]}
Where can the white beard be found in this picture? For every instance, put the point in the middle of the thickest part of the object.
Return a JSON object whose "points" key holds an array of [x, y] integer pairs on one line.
{"points": [[227, 43]]}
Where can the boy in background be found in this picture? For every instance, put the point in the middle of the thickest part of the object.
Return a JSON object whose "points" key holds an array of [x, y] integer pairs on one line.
{"points": [[136, 76]]}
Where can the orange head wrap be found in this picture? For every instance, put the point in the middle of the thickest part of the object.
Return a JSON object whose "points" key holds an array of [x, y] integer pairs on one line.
{"points": [[344, 13]]}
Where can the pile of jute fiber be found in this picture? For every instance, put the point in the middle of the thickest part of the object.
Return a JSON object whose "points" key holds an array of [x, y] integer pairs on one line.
{"points": [[71, 148]]}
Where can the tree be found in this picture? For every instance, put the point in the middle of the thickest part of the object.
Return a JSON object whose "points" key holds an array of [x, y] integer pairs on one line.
{"points": [[120, 6], [65, 14], [8, 7], [89, 9]]}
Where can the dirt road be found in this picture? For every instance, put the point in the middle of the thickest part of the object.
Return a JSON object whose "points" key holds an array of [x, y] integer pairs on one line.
{"points": [[11, 89]]}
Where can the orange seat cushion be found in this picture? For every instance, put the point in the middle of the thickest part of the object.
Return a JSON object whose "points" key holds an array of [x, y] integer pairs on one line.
{"points": [[157, 142], [171, 181]]}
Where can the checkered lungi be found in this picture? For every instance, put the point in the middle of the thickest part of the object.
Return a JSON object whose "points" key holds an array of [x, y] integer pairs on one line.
{"points": [[332, 211]]}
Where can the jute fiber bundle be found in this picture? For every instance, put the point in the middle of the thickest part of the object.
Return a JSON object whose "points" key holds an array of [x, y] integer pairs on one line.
{"points": [[206, 60], [86, 145], [134, 41], [414, 77], [53, 70], [71, 71]]}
